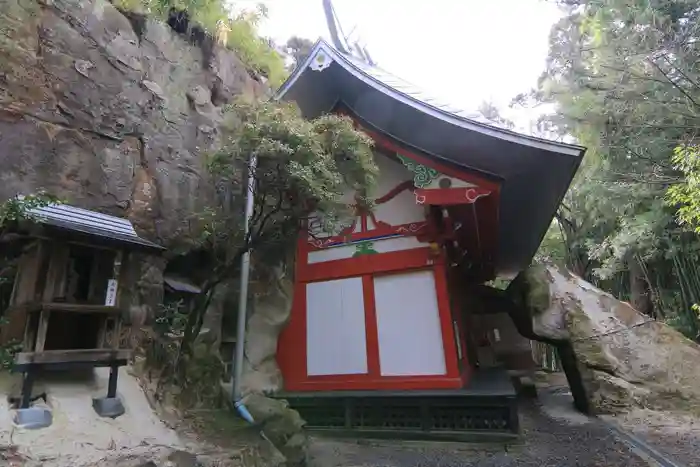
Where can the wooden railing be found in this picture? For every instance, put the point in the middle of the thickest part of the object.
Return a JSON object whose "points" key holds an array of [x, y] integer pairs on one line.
{"points": [[33, 307]]}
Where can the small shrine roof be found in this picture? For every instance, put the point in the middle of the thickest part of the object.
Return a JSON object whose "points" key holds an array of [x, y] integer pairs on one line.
{"points": [[180, 284], [91, 223]]}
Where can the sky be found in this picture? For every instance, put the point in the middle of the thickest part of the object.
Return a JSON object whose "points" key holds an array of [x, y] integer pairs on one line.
{"points": [[463, 51]]}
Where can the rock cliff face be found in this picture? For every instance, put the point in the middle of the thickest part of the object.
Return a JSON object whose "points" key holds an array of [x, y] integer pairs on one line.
{"points": [[110, 112], [116, 113]]}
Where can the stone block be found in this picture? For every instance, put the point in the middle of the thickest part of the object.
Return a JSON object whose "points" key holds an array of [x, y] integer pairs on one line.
{"points": [[33, 418], [110, 407]]}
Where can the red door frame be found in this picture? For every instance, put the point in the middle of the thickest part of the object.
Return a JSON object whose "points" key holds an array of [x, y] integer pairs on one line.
{"points": [[291, 354], [292, 343]]}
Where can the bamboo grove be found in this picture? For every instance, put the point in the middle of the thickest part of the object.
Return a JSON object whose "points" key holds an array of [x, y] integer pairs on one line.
{"points": [[624, 78]]}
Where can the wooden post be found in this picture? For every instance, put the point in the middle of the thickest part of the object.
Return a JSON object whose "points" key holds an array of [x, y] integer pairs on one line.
{"points": [[27, 280], [55, 284], [102, 333], [27, 274], [29, 334], [112, 384], [42, 330], [27, 386], [118, 274]]}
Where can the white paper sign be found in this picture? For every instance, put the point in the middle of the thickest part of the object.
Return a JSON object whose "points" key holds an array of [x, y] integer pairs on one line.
{"points": [[111, 296]]}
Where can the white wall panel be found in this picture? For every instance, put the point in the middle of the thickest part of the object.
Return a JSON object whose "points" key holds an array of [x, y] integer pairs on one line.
{"points": [[397, 244], [403, 208], [336, 342], [408, 325], [331, 254]]}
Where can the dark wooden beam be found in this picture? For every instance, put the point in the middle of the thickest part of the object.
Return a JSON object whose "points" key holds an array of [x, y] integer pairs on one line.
{"points": [[48, 357]]}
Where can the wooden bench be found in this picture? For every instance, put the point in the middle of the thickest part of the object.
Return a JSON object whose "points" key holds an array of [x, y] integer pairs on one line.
{"points": [[30, 363], [34, 358]]}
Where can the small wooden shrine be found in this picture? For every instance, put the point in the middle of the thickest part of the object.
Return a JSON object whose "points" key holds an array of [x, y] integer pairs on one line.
{"points": [[66, 296], [381, 334]]}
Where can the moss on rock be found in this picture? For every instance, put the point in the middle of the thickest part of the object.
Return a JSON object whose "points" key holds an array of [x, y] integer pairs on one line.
{"points": [[538, 281], [282, 425], [587, 346]]}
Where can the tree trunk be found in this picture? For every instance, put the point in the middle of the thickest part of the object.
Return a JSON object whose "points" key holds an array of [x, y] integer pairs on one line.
{"points": [[640, 296], [573, 376]]}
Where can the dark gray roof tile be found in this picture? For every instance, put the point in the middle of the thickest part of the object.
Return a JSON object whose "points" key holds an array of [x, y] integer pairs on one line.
{"points": [[91, 223]]}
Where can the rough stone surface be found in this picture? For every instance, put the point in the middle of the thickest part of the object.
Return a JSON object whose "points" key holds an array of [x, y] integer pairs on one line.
{"points": [[111, 120], [268, 312], [108, 119], [271, 307], [182, 459], [282, 425], [219, 305], [628, 359], [145, 288], [115, 119]]}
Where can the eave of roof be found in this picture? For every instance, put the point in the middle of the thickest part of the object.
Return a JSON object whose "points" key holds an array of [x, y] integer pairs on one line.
{"points": [[92, 224], [408, 94], [181, 285]]}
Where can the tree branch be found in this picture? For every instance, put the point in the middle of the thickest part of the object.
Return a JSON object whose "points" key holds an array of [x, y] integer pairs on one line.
{"points": [[675, 85]]}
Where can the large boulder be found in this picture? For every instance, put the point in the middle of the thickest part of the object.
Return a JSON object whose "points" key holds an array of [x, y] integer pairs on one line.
{"points": [[627, 358]]}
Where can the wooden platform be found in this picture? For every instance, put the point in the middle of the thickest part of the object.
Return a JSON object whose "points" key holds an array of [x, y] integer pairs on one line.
{"points": [[485, 409]]}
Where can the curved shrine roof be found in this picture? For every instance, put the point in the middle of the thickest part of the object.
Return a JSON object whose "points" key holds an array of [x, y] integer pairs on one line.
{"points": [[534, 172]]}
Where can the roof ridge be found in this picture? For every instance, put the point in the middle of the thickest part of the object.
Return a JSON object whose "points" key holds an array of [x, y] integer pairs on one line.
{"points": [[455, 110]]}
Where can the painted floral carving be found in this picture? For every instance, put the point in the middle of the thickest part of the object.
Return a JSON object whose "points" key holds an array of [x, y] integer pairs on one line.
{"points": [[364, 248], [422, 175]]}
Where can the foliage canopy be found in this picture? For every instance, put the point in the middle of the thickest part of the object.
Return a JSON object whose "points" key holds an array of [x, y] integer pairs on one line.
{"points": [[302, 169], [242, 33], [623, 77]]}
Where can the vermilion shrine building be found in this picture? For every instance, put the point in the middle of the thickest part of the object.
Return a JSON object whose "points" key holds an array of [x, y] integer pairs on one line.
{"points": [[382, 334]]}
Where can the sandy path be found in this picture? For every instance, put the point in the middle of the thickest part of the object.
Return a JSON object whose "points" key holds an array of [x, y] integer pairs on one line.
{"points": [[78, 436], [675, 435]]}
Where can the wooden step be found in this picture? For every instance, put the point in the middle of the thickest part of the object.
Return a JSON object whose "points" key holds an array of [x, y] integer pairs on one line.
{"points": [[48, 357], [64, 307]]}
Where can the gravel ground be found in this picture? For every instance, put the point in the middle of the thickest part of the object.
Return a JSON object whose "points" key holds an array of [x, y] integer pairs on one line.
{"points": [[675, 436], [552, 436]]}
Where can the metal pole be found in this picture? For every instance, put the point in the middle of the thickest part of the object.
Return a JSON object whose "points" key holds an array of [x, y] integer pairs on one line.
{"points": [[237, 373]]}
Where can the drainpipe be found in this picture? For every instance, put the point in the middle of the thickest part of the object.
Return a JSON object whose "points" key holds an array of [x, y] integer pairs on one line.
{"points": [[237, 373]]}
